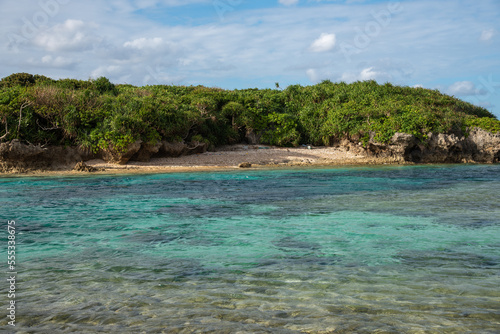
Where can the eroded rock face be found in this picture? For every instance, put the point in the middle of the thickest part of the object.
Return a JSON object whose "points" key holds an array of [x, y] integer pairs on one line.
{"points": [[480, 146], [176, 149], [252, 137], [245, 165], [82, 167], [17, 155], [445, 148], [111, 155], [402, 147], [486, 144], [15, 150], [197, 148], [352, 146], [146, 152]]}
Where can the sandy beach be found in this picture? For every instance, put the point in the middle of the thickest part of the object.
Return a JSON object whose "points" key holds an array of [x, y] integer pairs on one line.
{"points": [[227, 158], [251, 156]]}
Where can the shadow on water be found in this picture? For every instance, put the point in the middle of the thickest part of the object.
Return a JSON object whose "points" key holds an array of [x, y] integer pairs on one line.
{"points": [[447, 259], [292, 243]]}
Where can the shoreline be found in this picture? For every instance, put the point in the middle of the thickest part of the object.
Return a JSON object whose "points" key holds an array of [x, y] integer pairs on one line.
{"points": [[479, 147], [225, 159]]}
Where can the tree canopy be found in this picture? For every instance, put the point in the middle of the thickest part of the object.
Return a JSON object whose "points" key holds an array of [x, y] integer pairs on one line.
{"points": [[98, 114]]}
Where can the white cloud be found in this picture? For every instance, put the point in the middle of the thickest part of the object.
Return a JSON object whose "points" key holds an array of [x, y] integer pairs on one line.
{"points": [[325, 42], [158, 75], [288, 2], [49, 61], [106, 71], [465, 88], [72, 35], [365, 74], [312, 74], [368, 74], [487, 35], [57, 61], [143, 43]]}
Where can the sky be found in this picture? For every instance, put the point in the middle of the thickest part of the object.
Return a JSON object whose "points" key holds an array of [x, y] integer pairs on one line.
{"points": [[449, 45]]}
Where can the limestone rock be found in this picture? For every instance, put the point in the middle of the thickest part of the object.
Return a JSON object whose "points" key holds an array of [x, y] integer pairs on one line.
{"points": [[349, 145], [397, 149], [65, 156], [17, 155], [253, 138], [442, 147], [480, 146], [176, 149], [197, 147], [15, 150], [82, 167], [121, 157], [404, 139], [146, 152], [487, 145]]}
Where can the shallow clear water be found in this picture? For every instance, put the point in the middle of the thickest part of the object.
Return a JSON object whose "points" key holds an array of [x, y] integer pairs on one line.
{"points": [[413, 249]]}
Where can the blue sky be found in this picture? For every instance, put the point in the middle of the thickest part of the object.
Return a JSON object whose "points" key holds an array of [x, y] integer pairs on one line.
{"points": [[449, 45]]}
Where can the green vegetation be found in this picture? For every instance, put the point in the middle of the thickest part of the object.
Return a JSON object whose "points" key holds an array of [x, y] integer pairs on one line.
{"points": [[98, 114]]}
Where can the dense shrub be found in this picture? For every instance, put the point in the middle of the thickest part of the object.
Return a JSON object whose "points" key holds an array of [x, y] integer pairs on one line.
{"points": [[98, 114], [485, 123]]}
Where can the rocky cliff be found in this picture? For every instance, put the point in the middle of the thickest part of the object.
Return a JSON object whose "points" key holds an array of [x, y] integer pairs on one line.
{"points": [[479, 146], [18, 156]]}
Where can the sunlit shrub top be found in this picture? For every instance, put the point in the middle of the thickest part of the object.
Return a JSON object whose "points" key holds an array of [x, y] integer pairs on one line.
{"points": [[98, 114]]}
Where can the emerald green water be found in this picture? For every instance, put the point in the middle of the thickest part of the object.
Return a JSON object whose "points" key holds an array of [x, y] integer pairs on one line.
{"points": [[413, 249]]}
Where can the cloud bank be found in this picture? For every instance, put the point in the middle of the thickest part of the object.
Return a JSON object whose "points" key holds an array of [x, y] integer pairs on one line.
{"points": [[240, 44]]}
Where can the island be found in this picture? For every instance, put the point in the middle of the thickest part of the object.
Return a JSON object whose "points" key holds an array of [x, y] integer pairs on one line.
{"points": [[95, 125]]}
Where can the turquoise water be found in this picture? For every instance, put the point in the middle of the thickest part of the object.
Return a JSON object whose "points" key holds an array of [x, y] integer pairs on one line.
{"points": [[412, 249]]}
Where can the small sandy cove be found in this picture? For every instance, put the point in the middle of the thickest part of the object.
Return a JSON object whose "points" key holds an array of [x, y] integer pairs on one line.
{"points": [[253, 156], [232, 157]]}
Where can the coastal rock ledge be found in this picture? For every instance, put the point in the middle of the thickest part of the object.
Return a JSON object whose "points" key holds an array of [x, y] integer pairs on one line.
{"points": [[19, 157], [479, 146]]}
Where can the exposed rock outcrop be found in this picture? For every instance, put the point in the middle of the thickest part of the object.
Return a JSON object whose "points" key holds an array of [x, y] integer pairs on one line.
{"points": [[83, 167], [353, 146], [197, 147], [172, 149], [15, 155], [486, 144], [20, 153], [143, 152], [252, 137], [121, 156], [479, 146], [146, 152]]}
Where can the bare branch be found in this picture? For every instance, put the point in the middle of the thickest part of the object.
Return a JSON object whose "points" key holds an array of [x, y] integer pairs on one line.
{"points": [[189, 130], [197, 145], [24, 105], [47, 129], [6, 132]]}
